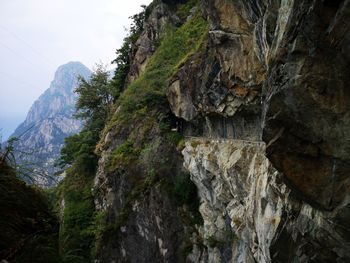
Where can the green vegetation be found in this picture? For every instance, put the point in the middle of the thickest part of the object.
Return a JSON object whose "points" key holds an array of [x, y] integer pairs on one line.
{"points": [[195, 143], [98, 228], [180, 145], [184, 9], [28, 228], [79, 149], [80, 228], [183, 191], [174, 137], [95, 99], [147, 151], [144, 118], [6, 154], [123, 155], [77, 231], [123, 54], [148, 91], [140, 118], [93, 106]]}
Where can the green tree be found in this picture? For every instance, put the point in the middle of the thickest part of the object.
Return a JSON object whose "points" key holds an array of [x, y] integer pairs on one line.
{"points": [[124, 53], [95, 99], [79, 149], [93, 106]]}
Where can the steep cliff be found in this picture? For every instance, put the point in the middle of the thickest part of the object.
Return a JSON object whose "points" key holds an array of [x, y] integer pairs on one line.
{"points": [[48, 122], [146, 196], [255, 95], [269, 103], [226, 139]]}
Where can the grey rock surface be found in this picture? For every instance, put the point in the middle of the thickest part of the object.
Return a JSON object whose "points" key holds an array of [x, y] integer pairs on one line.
{"points": [[264, 107], [49, 120], [146, 225], [273, 72], [250, 215]]}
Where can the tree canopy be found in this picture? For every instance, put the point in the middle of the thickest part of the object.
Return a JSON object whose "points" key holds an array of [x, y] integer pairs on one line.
{"points": [[93, 106], [95, 100], [125, 52]]}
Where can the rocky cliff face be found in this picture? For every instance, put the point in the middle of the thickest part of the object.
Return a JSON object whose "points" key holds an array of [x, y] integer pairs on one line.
{"points": [[157, 18], [264, 106], [141, 186], [251, 215], [274, 74], [48, 122]]}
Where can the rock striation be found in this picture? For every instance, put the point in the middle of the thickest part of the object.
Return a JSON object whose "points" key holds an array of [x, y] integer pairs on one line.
{"points": [[156, 19], [273, 72], [49, 120], [143, 221], [250, 214], [263, 106]]}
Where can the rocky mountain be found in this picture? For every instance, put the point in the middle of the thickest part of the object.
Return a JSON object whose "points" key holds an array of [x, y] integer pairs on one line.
{"points": [[49, 120], [222, 137], [262, 100]]}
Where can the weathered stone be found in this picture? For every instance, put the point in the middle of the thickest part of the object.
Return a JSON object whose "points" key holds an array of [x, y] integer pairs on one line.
{"points": [[238, 185], [269, 72], [277, 71], [146, 44], [307, 103]]}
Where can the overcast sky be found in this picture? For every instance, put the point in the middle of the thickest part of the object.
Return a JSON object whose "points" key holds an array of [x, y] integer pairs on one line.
{"points": [[37, 36]]}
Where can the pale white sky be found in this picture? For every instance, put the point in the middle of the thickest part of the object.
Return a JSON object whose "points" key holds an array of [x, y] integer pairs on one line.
{"points": [[37, 36]]}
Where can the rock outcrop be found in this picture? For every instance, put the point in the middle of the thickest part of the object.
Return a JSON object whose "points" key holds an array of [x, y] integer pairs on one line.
{"points": [[140, 168], [263, 106], [156, 19], [250, 215], [48, 122], [273, 72]]}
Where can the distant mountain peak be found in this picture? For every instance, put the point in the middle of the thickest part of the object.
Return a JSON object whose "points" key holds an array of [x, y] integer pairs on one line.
{"points": [[72, 66], [66, 76], [50, 119]]}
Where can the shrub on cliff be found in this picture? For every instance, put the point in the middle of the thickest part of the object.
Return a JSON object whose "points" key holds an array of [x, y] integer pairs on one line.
{"points": [[28, 228], [124, 53]]}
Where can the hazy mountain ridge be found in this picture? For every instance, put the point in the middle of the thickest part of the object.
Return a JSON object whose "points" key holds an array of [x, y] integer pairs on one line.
{"points": [[50, 120]]}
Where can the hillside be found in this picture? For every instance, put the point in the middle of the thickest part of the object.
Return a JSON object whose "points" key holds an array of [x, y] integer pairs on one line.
{"points": [[28, 228], [223, 136], [226, 108]]}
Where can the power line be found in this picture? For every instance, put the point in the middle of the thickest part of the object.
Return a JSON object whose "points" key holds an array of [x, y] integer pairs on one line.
{"points": [[18, 80], [27, 44], [17, 54]]}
